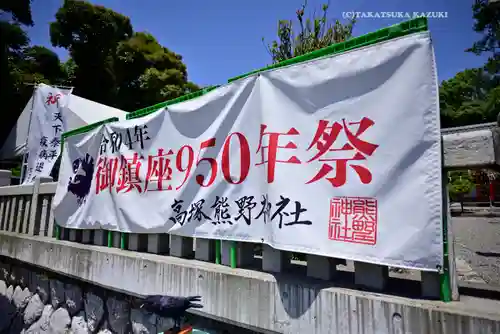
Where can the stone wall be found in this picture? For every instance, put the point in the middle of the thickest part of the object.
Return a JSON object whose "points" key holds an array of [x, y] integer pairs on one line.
{"points": [[34, 302]]}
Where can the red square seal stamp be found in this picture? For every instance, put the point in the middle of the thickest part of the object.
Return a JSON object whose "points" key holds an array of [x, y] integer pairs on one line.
{"points": [[353, 219]]}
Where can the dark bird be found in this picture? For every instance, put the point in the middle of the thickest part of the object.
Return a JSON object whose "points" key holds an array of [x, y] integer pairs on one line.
{"points": [[170, 306]]}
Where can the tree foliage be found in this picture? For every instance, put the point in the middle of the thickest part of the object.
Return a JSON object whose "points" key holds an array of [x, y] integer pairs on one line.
{"points": [[40, 60], [487, 22], [20, 10], [313, 34], [108, 62], [91, 33], [460, 184], [149, 73], [13, 40], [472, 96], [113, 65]]}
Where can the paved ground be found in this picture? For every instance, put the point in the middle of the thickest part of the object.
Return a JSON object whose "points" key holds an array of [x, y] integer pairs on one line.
{"points": [[477, 249], [475, 210]]}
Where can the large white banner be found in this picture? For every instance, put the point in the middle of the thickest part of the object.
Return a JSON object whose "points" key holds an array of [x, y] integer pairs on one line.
{"points": [[339, 156], [46, 126]]}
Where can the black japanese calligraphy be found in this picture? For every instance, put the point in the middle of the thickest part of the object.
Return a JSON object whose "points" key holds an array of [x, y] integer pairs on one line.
{"points": [[44, 141], [221, 214], [138, 134], [43, 154], [196, 211], [39, 167], [52, 154], [57, 129], [116, 142], [129, 137], [180, 216], [265, 210], [55, 142], [57, 117], [295, 215], [245, 206], [104, 145]]}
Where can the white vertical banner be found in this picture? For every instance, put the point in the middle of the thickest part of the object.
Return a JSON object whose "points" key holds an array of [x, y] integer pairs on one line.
{"points": [[46, 127]]}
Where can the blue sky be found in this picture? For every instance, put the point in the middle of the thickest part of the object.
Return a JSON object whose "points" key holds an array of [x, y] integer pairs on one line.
{"points": [[219, 39]]}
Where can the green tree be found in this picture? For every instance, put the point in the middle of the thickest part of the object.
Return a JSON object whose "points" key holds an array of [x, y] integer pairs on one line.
{"points": [[69, 69], [313, 34], [468, 98], [13, 39], [460, 185], [148, 73], [112, 65], [91, 33], [21, 65], [42, 62], [487, 22], [473, 96], [20, 10]]}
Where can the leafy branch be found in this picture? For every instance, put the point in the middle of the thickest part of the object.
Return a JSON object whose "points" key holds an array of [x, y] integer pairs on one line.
{"points": [[314, 33]]}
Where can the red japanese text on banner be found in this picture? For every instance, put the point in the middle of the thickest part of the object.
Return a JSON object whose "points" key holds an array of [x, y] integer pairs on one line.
{"points": [[326, 157]]}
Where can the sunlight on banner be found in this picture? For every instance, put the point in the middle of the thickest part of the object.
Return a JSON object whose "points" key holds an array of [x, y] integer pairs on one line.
{"points": [[283, 158], [394, 15]]}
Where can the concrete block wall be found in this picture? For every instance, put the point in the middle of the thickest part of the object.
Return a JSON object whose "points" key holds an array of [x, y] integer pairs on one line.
{"points": [[35, 301], [253, 300]]}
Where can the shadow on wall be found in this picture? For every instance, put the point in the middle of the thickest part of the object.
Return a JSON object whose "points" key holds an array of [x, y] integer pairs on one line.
{"points": [[488, 254], [292, 283], [10, 319]]}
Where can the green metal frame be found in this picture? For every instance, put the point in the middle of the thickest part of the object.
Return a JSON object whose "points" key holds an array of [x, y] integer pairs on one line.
{"points": [[444, 277], [152, 109], [87, 128], [398, 30], [79, 131], [382, 35]]}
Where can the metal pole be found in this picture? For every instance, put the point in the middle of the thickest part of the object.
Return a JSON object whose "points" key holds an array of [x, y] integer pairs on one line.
{"points": [[218, 252], [445, 279], [233, 255], [492, 194], [23, 168], [123, 240], [448, 274]]}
